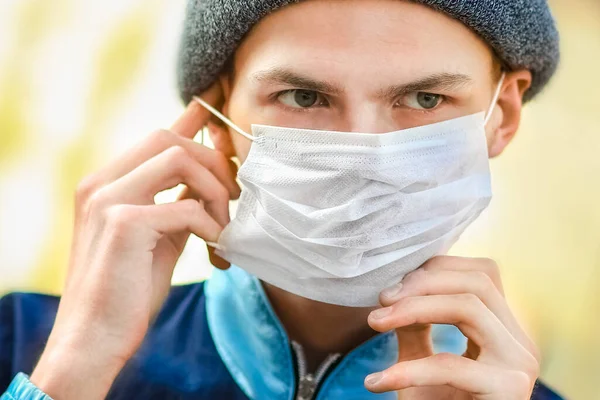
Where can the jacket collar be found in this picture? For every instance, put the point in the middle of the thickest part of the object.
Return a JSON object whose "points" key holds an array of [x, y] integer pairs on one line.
{"points": [[256, 350]]}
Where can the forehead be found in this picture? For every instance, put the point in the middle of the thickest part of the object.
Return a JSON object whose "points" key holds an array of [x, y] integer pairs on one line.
{"points": [[371, 39]]}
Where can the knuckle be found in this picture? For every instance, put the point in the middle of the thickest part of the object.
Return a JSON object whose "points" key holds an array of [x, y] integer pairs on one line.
{"points": [[484, 281], [192, 207], [163, 137], [97, 200], [532, 367], [470, 303], [120, 218], [520, 382], [433, 263], [535, 353], [490, 267], [220, 193], [85, 188], [177, 154], [179, 159], [534, 371], [469, 298]]}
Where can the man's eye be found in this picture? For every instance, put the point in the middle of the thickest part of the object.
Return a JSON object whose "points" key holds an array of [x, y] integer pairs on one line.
{"points": [[299, 98], [422, 100]]}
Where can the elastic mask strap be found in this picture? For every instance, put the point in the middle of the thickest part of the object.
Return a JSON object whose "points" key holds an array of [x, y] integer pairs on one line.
{"points": [[223, 118], [233, 126], [494, 100]]}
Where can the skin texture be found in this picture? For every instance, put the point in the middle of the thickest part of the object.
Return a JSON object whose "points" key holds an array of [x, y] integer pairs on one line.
{"points": [[368, 58]]}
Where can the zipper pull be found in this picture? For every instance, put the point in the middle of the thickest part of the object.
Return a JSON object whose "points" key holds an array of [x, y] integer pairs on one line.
{"points": [[306, 387], [307, 382]]}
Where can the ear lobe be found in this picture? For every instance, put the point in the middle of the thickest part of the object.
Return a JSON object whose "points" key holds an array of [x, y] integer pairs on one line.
{"points": [[510, 103], [506, 131]]}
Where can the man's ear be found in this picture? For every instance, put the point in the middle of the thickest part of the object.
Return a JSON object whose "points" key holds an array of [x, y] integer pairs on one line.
{"points": [[219, 133], [507, 112]]}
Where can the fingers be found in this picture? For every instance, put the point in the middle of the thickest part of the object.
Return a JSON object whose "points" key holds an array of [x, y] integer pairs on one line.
{"points": [[481, 277], [224, 169], [465, 311], [466, 293], [458, 372], [157, 143], [161, 230], [179, 217], [449, 263], [424, 282], [181, 238], [162, 140], [181, 134], [168, 169], [195, 116], [134, 227]]}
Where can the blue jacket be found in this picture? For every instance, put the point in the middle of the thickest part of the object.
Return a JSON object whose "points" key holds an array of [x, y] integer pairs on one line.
{"points": [[214, 340]]}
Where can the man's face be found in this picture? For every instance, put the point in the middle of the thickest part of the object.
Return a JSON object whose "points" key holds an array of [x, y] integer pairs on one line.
{"points": [[369, 66]]}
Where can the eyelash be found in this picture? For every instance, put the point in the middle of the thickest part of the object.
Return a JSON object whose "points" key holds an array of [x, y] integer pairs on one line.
{"points": [[275, 97], [443, 100]]}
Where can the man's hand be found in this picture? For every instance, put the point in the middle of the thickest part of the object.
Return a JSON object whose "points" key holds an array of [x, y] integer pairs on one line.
{"points": [[501, 362], [125, 248]]}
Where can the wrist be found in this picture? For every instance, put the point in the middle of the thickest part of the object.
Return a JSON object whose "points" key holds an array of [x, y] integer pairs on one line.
{"points": [[69, 372]]}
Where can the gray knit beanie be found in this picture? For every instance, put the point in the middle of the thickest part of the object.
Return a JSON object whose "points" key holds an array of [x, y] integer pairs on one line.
{"points": [[521, 32]]}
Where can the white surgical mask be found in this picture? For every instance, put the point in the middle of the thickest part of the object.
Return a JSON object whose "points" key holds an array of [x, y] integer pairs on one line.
{"points": [[339, 216]]}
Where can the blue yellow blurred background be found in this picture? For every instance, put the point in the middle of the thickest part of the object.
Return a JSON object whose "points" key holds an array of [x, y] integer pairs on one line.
{"points": [[81, 81]]}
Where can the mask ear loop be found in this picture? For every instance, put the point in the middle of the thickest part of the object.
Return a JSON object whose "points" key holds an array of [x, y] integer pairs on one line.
{"points": [[494, 99], [233, 126], [223, 118]]}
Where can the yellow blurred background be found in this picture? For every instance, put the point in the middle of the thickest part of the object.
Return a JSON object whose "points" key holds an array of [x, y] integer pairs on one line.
{"points": [[81, 81]]}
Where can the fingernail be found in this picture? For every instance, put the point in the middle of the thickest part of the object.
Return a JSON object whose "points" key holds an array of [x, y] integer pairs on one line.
{"points": [[392, 292], [382, 312], [374, 378]]}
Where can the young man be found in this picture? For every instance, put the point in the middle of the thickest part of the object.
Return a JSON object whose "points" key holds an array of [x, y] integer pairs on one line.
{"points": [[363, 128]]}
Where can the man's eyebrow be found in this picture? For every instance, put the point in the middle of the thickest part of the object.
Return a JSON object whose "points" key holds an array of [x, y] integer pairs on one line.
{"points": [[436, 82], [288, 77]]}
